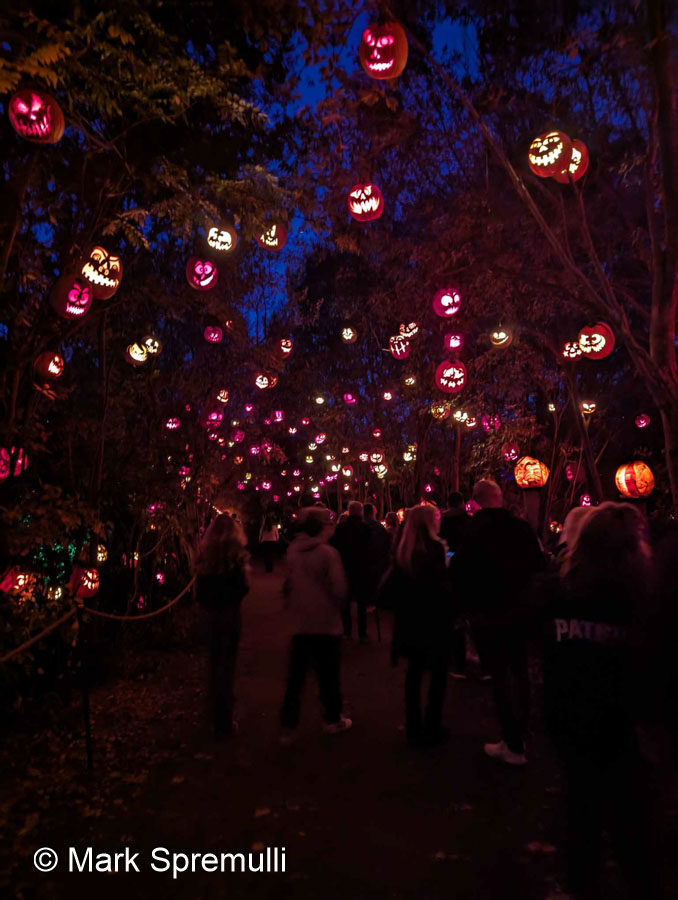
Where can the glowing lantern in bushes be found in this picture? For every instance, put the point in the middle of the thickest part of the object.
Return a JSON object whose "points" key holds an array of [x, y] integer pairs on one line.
{"points": [[501, 337], [201, 274], [222, 396], [383, 50], [510, 452], [173, 423], [409, 330], [376, 433], [572, 350], [274, 238], [213, 334], [285, 347], [380, 470], [447, 302], [136, 354], [264, 381], [490, 423], [451, 376], [549, 153], [642, 421], [348, 334], [222, 238], [585, 500], [596, 341], [84, 581], [347, 471], [588, 407], [634, 480], [49, 365], [102, 271], [399, 347], [578, 164], [376, 456], [453, 341], [36, 117], [440, 411], [153, 345], [71, 297], [365, 202], [409, 380], [278, 415], [530, 473]]}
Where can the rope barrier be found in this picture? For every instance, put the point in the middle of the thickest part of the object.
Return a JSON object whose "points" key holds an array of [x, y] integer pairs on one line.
{"points": [[34, 640]]}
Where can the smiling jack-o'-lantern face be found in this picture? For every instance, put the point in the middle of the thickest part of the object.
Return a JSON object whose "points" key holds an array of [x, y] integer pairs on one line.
{"points": [[102, 271], [578, 164], [440, 411], [348, 334], [213, 334], [222, 238], [596, 341], [49, 365], [642, 421], [365, 202], [274, 238], [447, 302], [501, 337], [173, 424], [572, 350], [71, 297], [510, 452], [136, 354], [383, 50], [588, 407], [549, 153], [530, 473], [399, 347], [409, 330], [634, 480], [376, 457], [36, 117], [153, 345], [350, 399], [201, 274], [222, 396], [285, 347], [451, 376], [84, 581], [264, 381]]}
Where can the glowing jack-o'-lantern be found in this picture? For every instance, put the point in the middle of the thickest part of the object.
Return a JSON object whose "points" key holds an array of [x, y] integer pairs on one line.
{"points": [[409, 380], [71, 297], [173, 423], [490, 423], [349, 335], [510, 452], [201, 274], [36, 117], [530, 473], [350, 399], [447, 302], [585, 500], [102, 271], [12, 462], [451, 376], [634, 480], [222, 396], [153, 345], [136, 354], [549, 153], [49, 365], [320, 438], [642, 421], [383, 50], [365, 202], [222, 238], [84, 581], [410, 454], [285, 347], [409, 330], [399, 346], [572, 351], [264, 381], [453, 341], [578, 164], [380, 470], [596, 341], [376, 456], [274, 238], [347, 471], [387, 395], [471, 422], [213, 334], [501, 337], [440, 411], [460, 416], [588, 407], [238, 436]]}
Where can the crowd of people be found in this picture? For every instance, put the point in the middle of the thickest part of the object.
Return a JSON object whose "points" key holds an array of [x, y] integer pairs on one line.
{"points": [[599, 614]]}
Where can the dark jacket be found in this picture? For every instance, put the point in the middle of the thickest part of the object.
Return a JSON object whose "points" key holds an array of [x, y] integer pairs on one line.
{"points": [[224, 591], [454, 526], [379, 551], [352, 539]]}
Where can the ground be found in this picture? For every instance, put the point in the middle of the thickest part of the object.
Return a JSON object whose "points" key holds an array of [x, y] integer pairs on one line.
{"points": [[360, 814]]}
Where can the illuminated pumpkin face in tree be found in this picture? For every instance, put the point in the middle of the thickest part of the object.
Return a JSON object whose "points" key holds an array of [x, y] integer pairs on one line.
{"points": [[549, 153], [136, 354], [572, 351], [453, 341], [634, 480], [440, 411], [642, 421], [102, 271], [578, 164], [274, 238], [409, 330], [173, 424], [264, 381], [451, 376], [285, 347], [349, 335], [383, 50], [530, 473], [376, 457], [223, 395], [36, 117], [596, 341], [510, 452], [365, 202], [84, 581], [502, 337], [49, 365], [399, 347], [222, 238], [588, 407], [350, 399], [201, 274], [447, 303], [490, 423], [153, 345], [213, 334], [71, 297]]}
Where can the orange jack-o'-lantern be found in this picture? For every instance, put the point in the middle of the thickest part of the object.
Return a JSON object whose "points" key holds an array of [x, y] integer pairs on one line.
{"points": [[588, 407], [274, 238], [409, 330], [136, 354], [153, 345], [213, 334], [501, 337], [365, 202], [530, 473], [596, 341], [510, 452], [440, 411], [71, 297], [572, 351], [447, 302], [264, 381], [102, 271], [201, 274], [173, 423], [549, 153], [399, 346], [84, 581], [36, 117], [222, 238], [634, 479], [383, 50], [223, 395], [285, 347], [451, 376], [349, 335], [577, 166], [49, 365]]}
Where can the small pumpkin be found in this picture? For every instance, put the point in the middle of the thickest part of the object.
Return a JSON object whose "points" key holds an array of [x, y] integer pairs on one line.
{"points": [[596, 341], [202, 274], [49, 365], [578, 164], [451, 376], [274, 238], [71, 297], [222, 238]]}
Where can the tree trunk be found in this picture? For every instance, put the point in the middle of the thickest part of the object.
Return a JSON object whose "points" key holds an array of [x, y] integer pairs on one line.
{"points": [[670, 426]]}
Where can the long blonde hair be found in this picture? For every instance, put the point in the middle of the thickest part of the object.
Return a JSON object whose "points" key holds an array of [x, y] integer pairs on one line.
{"points": [[569, 536], [222, 546], [418, 531]]}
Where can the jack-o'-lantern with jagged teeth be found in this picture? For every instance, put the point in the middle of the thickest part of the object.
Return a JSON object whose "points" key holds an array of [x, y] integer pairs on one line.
{"points": [[365, 202], [549, 153], [447, 302], [71, 297], [383, 50], [274, 238], [36, 117], [102, 271], [451, 376], [222, 238]]}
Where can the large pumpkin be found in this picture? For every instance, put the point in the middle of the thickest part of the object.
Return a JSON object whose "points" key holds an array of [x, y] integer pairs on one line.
{"points": [[451, 376], [222, 238], [383, 50], [71, 297], [549, 153], [596, 341], [634, 479], [36, 117], [365, 202], [102, 271], [530, 473], [201, 274], [577, 166]]}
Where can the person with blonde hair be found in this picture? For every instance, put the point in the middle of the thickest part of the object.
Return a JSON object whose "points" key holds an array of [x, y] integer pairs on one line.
{"points": [[569, 536], [423, 621], [221, 585]]}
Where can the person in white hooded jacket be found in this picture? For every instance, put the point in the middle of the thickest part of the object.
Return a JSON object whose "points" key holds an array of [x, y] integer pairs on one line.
{"points": [[315, 591]]}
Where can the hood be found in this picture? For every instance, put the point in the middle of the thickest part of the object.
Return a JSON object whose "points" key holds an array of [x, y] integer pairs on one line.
{"points": [[304, 542]]}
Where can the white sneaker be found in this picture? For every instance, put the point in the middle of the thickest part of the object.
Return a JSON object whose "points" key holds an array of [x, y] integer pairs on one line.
{"points": [[501, 751], [336, 727]]}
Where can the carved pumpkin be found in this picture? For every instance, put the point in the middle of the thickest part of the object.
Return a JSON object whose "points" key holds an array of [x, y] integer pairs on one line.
{"points": [[451, 376], [501, 337], [409, 330], [136, 354], [440, 411], [376, 456], [490, 423], [410, 454], [365, 202], [588, 407], [274, 238], [549, 153], [399, 346], [642, 421], [213, 334], [447, 302], [578, 164], [383, 50], [153, 345], [634, 479], [585, 500], [222, 238], [36, 117], [223, 395], [387, 395], [285, 347], [410, 380], [320, 438], [71, 297], [350, 399], [264, 381], [201, 274], [347, 471], [530, 473], [102, 271], [348, 334], [278, 415], [380, 470], [49, 365], [173, 423], [510, 452], [84, 581], [596, 341], [453, 341], [572, 351], [460, 416]]}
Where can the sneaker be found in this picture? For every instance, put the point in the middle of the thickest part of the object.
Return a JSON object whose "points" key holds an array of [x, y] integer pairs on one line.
{"points": [[336, 727], [287, 736], [501, 751], [458, 675]]}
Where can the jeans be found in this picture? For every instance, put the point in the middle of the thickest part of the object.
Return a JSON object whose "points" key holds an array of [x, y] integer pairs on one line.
{"points": [[224, 637], [431, 721], [361, 605], [322, 653], [505, 652]]}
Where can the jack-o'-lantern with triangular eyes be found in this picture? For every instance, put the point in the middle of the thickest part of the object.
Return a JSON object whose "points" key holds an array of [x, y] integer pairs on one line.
{"points": [[102, 271], [36, 117], [71, 297], [365, 202], [596, 341], [451, 376], [274, 238], [383, 50], [49, 365], [222, 238], [549, 153], [201, 273], [447, 302]]}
